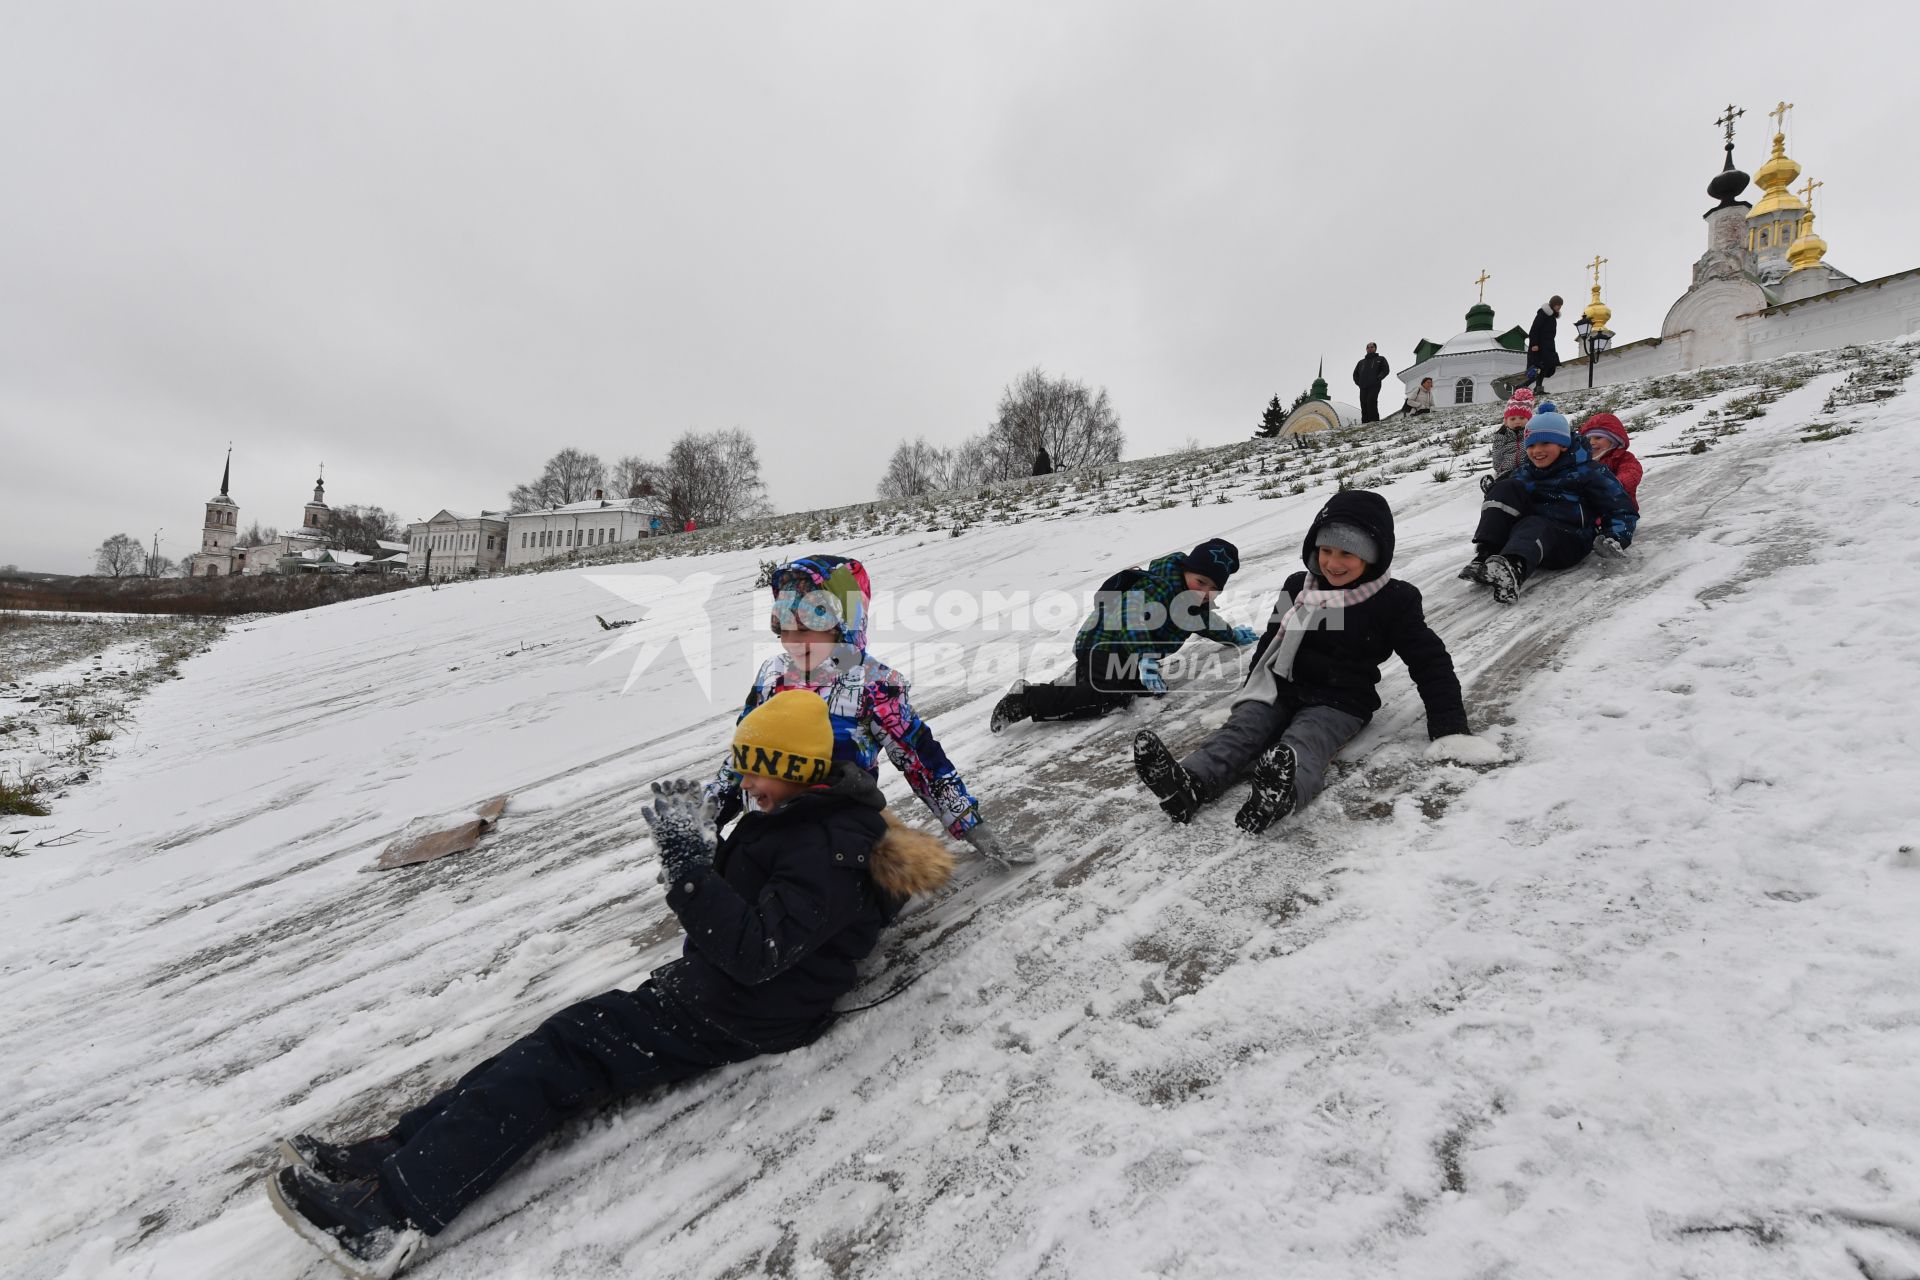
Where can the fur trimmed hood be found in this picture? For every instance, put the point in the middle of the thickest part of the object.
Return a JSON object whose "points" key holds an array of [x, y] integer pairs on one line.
{"points": [[907, 861]]}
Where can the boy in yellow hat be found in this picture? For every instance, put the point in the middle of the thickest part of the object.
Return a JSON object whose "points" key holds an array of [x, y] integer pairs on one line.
{"points": [[777, 916]]}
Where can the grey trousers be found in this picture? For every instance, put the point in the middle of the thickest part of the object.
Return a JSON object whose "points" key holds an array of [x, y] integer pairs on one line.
{"points": [[1314, 733]]}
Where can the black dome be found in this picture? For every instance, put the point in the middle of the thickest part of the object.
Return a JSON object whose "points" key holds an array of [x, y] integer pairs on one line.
{"points": [[1728, 183]]}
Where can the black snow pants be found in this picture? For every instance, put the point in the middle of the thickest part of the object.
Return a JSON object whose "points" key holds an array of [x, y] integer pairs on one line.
{"points": [[1370, 402], [461, 1142], [1509, 527], [1103, 680]]}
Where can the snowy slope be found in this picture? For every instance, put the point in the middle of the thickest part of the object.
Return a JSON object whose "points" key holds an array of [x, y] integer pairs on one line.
{"points": [[1641, 1001]]}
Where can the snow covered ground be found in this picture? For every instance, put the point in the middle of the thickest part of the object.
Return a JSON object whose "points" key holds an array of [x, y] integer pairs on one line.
{"points": [[1644, 1000]]}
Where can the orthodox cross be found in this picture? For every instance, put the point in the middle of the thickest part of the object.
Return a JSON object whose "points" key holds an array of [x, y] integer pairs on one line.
{"points": [[1806, 192], [1726, 121], [1482, 282], [1779, 115], [1594, 266]]}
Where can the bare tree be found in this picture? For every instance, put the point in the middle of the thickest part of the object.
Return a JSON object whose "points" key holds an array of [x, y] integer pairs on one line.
{"points": [[1075, 425], [362, 529], [163, 567], [569, 476], [256, 535], [119, 556], [713, 478], [916, 468], [987, 458], [636, 477]]}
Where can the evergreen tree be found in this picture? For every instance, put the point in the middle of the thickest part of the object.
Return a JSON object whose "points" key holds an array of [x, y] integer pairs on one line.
{"points": [[1270, 420]]}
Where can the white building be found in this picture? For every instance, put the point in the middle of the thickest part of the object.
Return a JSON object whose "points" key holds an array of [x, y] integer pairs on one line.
{"points": [[1319, 411], [456, 544], [1762, 289], [533, 536], [1463, 368]]}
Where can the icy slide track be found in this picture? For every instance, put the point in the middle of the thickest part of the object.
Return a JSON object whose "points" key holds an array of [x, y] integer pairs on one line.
{"points": [[1640, 1002]]}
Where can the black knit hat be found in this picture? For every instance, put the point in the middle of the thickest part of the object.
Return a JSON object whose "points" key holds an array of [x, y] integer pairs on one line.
{"points": [[1216, 558]]}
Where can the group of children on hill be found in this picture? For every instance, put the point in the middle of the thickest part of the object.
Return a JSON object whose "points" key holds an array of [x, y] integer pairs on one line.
{"points": [[779, 910], [1551, 498]]}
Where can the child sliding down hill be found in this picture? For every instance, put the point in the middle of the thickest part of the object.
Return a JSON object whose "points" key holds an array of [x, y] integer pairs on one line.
{"points": [[820, 614], [1311, 686], [1606, 438], [1548, 513], [1139, 617], [776, 918]]}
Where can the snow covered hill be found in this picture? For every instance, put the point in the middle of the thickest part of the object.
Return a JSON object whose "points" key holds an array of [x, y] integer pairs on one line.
{"points": [[1645, 1000]]}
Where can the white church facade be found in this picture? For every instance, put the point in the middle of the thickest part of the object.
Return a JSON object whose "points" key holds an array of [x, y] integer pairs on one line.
{"points": [[1763, 288], [1465, 366]]}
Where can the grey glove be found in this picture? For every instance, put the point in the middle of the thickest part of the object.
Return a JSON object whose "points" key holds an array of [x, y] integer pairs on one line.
{"points": [[1609, 547], [681, 817], [985, 842]]}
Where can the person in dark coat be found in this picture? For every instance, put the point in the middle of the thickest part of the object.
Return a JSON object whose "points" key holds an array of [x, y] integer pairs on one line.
{"points": [[777, 916], [1139, 617], [1311, 685], [1042, 464], [1554, 509], [1543, 358], [1368, 375]]}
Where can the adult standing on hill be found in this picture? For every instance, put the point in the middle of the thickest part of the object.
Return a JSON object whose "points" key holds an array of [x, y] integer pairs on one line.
{"points": [[1543, 358], [1368, 375], [1042, 464]]}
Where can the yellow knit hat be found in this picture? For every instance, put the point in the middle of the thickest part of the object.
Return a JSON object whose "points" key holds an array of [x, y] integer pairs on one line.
{"points": [[787, 737]]}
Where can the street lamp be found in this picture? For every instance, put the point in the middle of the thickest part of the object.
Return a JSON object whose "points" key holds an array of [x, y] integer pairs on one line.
{"points": [[1593, 344]]}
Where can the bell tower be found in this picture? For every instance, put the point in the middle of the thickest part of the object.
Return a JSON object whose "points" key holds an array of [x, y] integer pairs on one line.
{"points": [[317, 513], [221, 527]]}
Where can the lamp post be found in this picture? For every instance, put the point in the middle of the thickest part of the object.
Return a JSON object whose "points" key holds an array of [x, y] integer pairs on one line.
{"points": [[1593, 344]]}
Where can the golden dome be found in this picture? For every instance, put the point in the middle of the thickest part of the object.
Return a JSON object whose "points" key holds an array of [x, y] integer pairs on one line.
{"points": [[1597, 311], [1775, 177], [1808, 248]]}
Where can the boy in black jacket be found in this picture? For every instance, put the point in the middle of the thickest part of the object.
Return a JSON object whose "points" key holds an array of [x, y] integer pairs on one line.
{"points": [[1310, 688], [777, 917]]}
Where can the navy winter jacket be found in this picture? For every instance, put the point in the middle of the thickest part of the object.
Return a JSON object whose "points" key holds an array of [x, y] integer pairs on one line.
{"points": [[1580, 493], [776, 926], [1340, 669]]}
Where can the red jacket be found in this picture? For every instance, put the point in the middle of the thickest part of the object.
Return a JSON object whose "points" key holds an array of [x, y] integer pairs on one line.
{"points": [[1626, 469]]}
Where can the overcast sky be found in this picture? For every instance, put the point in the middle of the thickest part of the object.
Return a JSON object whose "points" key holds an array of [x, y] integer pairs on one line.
{"points": [[428, 244]]}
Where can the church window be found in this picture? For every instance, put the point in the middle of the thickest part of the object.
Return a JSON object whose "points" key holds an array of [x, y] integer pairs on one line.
{"points": [[1463, 391], [1764, 241]]}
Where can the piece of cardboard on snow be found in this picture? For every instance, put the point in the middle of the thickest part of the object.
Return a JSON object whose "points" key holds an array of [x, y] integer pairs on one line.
{"points": [[408, 851]]}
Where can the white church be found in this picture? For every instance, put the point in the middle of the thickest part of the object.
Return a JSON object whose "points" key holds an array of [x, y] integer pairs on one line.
{"points": [[219, 557], [1762, 289]]}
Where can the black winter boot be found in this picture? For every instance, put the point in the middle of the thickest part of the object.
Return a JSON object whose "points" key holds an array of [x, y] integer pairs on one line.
{"points": [[1504, 575], [1475, 570], [351, 1223], [336, 1161], [1011, 709], [1272, 797], [1166, 777]]}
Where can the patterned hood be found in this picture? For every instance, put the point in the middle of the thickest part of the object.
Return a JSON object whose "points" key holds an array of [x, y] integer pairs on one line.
{"points": [[824, 592]]}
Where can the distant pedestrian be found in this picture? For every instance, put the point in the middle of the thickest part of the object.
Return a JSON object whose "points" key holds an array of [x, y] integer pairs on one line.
{"points": [[1421, 401], [1042, 464], [1543, 358], [690, 526], [1368, 375]]}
